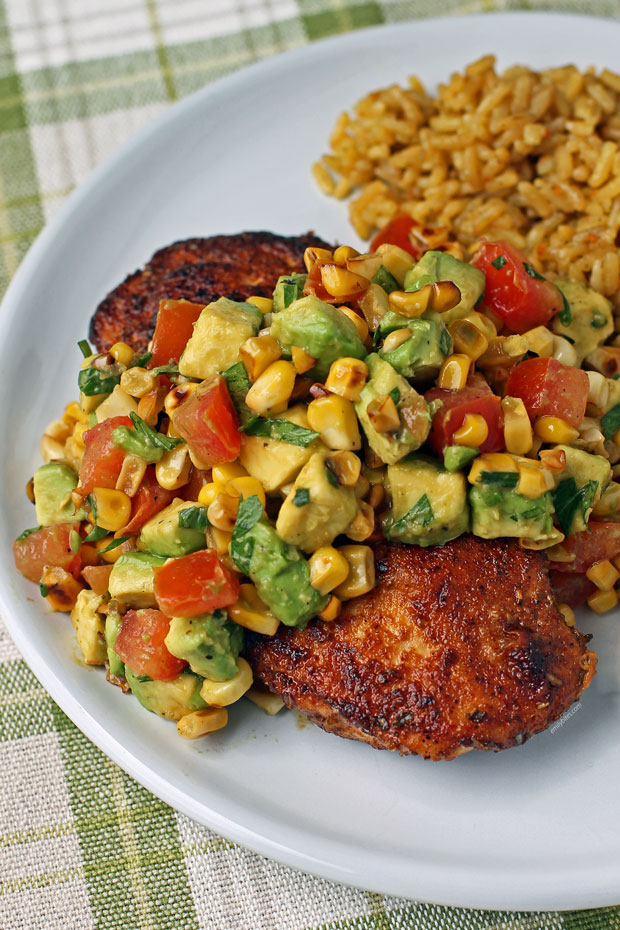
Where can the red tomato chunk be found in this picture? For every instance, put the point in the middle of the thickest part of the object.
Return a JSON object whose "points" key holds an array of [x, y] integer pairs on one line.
{"points": [[549, 388], [600, 541], [397, 232], [102, 460], [513, 290], [194, 584], [149, 499], [48, 546], [476, 397], [140, 645], [174, 326], [572, 588], [208, 422]]}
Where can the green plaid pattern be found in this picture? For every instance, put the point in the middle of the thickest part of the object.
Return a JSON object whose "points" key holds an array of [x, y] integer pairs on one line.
{"points": [[81, 844]]}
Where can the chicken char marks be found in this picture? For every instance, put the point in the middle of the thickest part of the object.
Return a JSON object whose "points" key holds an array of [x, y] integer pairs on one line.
{"points": [[200, 270], [459, 646]]}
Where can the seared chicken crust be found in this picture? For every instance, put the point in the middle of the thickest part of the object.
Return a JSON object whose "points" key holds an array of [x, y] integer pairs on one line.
{"points": [[459, 646]]}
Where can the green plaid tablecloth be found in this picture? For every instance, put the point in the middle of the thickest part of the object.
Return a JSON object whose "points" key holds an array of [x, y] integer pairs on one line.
{"points": [[81, 844]]}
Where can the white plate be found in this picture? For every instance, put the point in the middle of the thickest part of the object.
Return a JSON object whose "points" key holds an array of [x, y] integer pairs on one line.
{"points": [[536, 827]]}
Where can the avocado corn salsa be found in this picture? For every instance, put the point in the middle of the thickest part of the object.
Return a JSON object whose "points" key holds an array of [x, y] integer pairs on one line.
{"points": [[234, 477]]}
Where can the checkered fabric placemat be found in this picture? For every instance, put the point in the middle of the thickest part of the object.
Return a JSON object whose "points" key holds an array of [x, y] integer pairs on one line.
{"points": [[81, 844]]}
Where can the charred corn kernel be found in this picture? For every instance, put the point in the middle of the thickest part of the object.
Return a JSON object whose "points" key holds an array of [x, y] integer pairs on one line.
{"points": [[396, 338], [74, 413], [564, 351], [502, 350], [328, 569], [172, 470], [453, 373], [346, 466], [269, 703], [138, 381], [30, 493], [222, 512], [397, 261], [60, 588], [568, 613], [264, 304], [481, 322], [493, 462], [410, 304], [374, 305], [132, 473], [377, 496], [252, 613], [78, 433], [532, 481], [177, 396], [554, 429], [551, 541], [201, 722], [244, 487], [226, 472], [301, 360], [467, 338], [152, 404], [272, 389], [383, 414], [209, 492], [445, 295], [365, 265], [218, 540], [347, 377], [361, 577], [340, 282], [257, 353], [609, 502], [122, 353], [59, 429], [334, 418], [343, 252], [224, 693], [603, 574], [473, 432], [331, 610], [362, 526], [362, 487], [313, 255], [51, 449], [598, 392], [517, 426], [113, 508], [540, 341], [602, 601], [359, 322]]}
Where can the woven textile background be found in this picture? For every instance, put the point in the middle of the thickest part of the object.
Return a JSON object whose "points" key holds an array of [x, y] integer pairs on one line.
{"points": [[81, 844]]}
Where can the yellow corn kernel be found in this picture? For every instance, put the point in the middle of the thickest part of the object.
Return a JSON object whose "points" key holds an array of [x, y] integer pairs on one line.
{"points": [[540, 341], [361, 577], [209, 492], [554, 538], [517, 426], [363, 524], [602, 601], [51, 449], [152, 404], [224, 693], [397, 261], [481, 322], [131, 475], [252, 613], [178, 395], [331, 610], [409, 303], [172, 470], [532, 482], [74, 413], [491, 461], [139, 381], [376, 496], [122, 353], [269, 703], [346, 466], [218, 540], [340, 282], [246, 486], [396, 338], [473, 432], [301, 360], [113, 508], [264, 304], [347, 377], [343, 252], [468, 340], [112, 555], [502, 350], [454, 372], [328, 569], [201, 722], [60, 429], [366, 265], [383, 414], [272, 389], [78, 433], [334, 418], [61, 588], [554, 429], [603, 574], [223, 473], [359, 322], [374, 305], [313, 255], [222, 512], [568, 613], [257, 353]]}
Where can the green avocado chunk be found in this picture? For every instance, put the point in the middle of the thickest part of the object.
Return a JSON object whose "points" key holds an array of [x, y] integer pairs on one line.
{"points": [[498, 511], [52, 487], [589, 320], [113, 622], [162, 534], [209, 642], [170, 699], [289, 287], [429, 504], [591, 474], [323, 331], [457, 457], [441, 266], [132, 581], [421, 356], [219, 332]]}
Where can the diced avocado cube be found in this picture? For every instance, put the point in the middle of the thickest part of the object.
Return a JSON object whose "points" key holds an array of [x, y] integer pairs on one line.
{"points": [[326, 511], [584, 468], [162, 534], [421, 356], [273, 461], [219, 332], [89, 627], [279, 571], [386, 280], [498, 511], [132, 580], [289, 287], [384, 379], [323, 331], [429, 504], [457, 457], [113, 622], [210, 643], [170, 699], [441, 266], [589, 321], [52, 486]]}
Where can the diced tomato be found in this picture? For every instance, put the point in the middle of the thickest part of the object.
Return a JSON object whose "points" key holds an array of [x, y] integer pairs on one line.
{"points": [[514, 291], [194, 584], [397, 232], [600, 541], [198, 477], [102, 461], [476, 397], [48, 546], [208, 422], [97, 577], [571, 588], [549, 388], [173, 327], [149, 499], [140, 644]]}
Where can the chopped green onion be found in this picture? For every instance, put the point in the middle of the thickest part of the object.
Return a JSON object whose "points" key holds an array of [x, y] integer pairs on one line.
{"points": [[531, 271], [96, 534], [283, 430], [43, 589], [499, 262], [28, 533], [302, 497], [610, 422], [114, 544], [565, 316], [84, 347], [395, 394], [194, 518], [500, 479], [75, 541]]}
